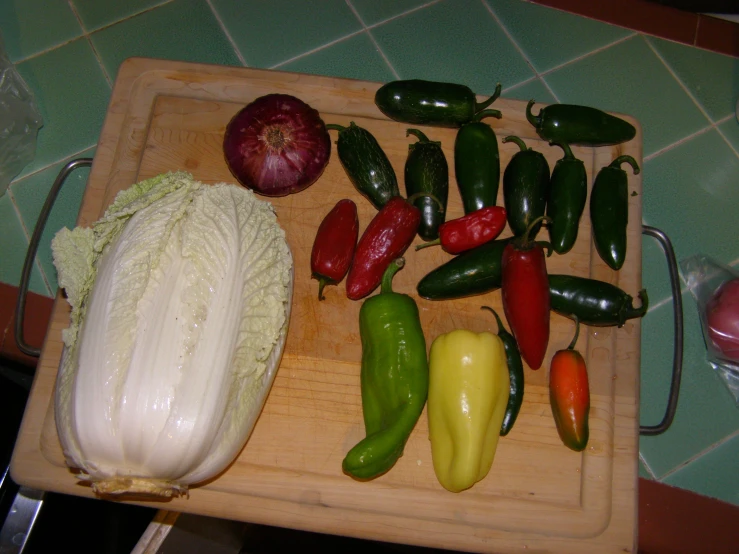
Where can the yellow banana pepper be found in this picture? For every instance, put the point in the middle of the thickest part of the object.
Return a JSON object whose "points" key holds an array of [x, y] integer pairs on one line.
{"points": [[468, 393]]}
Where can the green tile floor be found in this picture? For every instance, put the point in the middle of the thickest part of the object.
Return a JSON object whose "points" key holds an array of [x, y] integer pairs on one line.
{"points": [[685, 99]]}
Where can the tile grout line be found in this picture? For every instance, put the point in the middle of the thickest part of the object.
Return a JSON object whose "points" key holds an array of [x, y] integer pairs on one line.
{"points": [[225, 31], [24, 229], [513, 41], [372, 38], [47, 166], [588, 54], [700, 454], [687, 91], [87, 37], [647, 467], [316, 49], [400, 15], [678, 142]]}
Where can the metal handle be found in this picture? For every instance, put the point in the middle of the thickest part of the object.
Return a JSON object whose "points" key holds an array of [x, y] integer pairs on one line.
{"points": [[677, 356], [20, 307]]}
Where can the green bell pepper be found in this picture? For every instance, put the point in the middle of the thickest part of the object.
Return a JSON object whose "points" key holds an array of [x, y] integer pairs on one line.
{"points": [[394, 378]]}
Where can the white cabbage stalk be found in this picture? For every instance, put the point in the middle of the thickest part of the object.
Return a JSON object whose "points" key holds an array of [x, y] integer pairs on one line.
{"points": [[180, 299]]}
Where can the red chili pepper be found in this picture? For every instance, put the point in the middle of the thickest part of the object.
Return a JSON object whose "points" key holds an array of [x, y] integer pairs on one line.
{"points": [[569, 396], [386, 238], [525, 293], [333, 247], [469, 231]]}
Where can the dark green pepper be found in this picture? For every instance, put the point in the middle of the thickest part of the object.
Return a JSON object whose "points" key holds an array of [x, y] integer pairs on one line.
{"points": [[568, 193], [366, 164], [394, 378], [593, 302], [579, 125], [430, 102], [472, 272], [477, 163], [525, 188], [515, 373], [609, 211], [426, 171]]}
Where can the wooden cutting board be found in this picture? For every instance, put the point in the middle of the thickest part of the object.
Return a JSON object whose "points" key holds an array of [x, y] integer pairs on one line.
{"points": [[538, 497]]}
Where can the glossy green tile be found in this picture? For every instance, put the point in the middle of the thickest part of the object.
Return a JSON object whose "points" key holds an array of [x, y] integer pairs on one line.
{"points": [[712, 78], [551, 44], [181, 30], [687, 191], [30, 194], [469, 47], [95, 14], [270, 33], [352, 58], [25, 33], [629, 78], [72, 94], [713, 474], [706, 412], [13, 245], [535, 89], [374, 11], [730, 129]]}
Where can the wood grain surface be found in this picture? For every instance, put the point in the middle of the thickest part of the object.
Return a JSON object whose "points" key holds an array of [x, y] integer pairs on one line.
{"points": [[538, 497]]}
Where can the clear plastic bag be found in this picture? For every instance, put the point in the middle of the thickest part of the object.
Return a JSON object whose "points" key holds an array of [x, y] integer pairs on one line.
{"points": [[20, 121], [715, 288]]}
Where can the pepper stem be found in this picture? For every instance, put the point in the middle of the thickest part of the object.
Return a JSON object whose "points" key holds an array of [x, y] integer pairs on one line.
{"points": [[577, 334], [628, 159], [632, 312], [419, 134], [321, 283], [486, 113], [535, 120], [566, 147], [335, 127], [387, 277], [482, 105], [413, 197], [540, 219], [521, 144], [427, 244]]}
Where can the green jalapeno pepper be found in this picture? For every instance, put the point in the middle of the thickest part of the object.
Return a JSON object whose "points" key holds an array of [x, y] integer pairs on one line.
{"points": [[426, 171], [609, 211], [366, 164], [430, 102], [593, 302], [472, 272], [525, 188], [515, 374], [579, 125], [477, 163], [394, 378], [568, 193]]}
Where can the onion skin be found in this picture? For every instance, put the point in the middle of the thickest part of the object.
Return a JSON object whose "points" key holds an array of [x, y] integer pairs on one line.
{"points": [[277, 145], [722, 317]]}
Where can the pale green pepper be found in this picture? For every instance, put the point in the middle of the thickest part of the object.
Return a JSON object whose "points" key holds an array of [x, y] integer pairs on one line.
{"points": [[468, 394]]}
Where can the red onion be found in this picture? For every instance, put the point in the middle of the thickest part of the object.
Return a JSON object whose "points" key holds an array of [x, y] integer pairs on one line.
{"points": [[277, 145], [722, 317]]}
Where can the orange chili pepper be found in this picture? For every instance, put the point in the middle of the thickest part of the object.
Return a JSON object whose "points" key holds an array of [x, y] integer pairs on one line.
{"points": [[569, 395]]}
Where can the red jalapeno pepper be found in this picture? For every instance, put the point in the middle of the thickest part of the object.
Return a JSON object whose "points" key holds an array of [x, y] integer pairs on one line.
{"points": [[525, 293], [467, 232], [333, 247], [386, 238], [569, 395]]}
